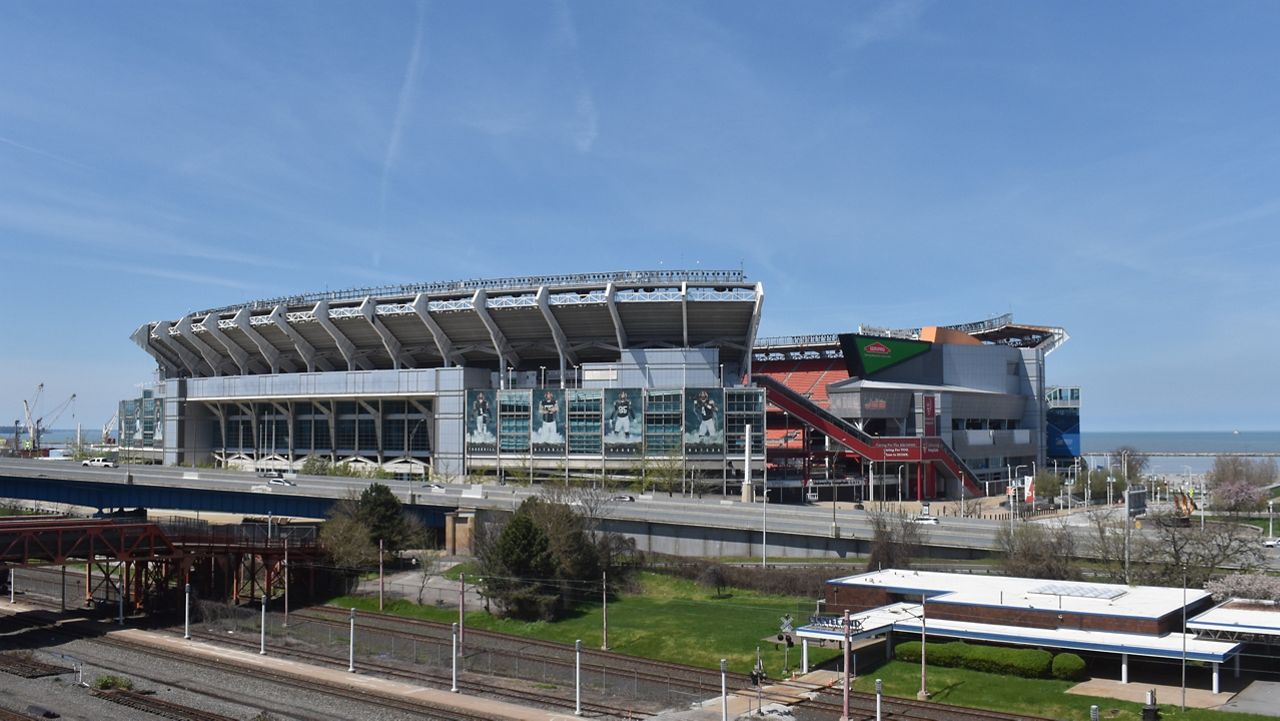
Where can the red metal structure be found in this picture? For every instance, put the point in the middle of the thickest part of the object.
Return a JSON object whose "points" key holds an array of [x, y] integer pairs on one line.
{"points": [[924, 452], [145, 562]]}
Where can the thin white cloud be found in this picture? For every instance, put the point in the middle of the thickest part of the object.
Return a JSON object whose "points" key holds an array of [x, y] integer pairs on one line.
{"points": [[586, 120], [403, 106], [887, 22], [588, 129], [44, 153]]}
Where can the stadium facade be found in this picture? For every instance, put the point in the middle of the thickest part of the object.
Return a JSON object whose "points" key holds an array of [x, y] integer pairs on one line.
{"points": [[586, 374]]}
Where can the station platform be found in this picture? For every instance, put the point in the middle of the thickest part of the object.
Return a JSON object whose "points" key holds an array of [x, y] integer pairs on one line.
{"points": [[781, 693], [442, 698], [436, 697]]}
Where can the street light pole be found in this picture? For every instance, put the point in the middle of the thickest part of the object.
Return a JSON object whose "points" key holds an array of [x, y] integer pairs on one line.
{"points": [[351, 647], [845, 715], [924, 688], [900, 481], [724, 690], [1271, 513]]}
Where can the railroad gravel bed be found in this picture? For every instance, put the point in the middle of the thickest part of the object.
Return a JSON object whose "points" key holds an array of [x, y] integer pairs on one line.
{"points": [[228, 694]]}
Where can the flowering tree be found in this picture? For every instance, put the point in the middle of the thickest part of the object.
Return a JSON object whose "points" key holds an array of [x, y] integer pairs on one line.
{"points": [[1254, 587], [1238, 496]]}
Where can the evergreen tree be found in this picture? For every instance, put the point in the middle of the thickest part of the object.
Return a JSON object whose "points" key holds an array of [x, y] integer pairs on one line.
{"points": [[383, 516], [524, 560]]}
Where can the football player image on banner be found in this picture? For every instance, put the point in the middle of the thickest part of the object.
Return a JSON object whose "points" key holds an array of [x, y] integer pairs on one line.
{"points": [[623, 420], [482, 422], [704, 420], [548, 431]]}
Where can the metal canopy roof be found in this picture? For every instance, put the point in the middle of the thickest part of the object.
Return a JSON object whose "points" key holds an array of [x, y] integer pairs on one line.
{"points": [[522, 323]]}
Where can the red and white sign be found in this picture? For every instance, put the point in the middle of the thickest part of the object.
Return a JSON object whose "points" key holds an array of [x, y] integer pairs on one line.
{"points": [[1031, 490], [898, 449], [877, 348]]}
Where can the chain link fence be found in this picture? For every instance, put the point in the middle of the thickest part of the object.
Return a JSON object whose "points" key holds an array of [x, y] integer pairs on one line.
{"points": [[527, 665]]}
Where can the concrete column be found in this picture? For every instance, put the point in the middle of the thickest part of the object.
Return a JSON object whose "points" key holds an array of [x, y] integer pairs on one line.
{"points": [[1124, 668], [1216, 667], [450, 532], [888, 646], [804, 656], [1237, 666]]}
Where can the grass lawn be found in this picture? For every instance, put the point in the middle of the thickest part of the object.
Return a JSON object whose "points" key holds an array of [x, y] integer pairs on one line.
{"points": [[466, 567], [1046, 698], [670, 619]]}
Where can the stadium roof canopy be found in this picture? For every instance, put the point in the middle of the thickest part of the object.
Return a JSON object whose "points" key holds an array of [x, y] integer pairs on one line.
{"points": [[506, 322]]}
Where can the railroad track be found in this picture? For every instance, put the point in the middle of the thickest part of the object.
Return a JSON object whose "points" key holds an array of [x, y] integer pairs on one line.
{"points": [[428, 676], [336, 690], [159, 707], [689, 677], [559, 654], [26, 667]]}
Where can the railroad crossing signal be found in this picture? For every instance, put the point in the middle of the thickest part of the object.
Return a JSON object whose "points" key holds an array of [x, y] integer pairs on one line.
{"points": [[785, 626]]}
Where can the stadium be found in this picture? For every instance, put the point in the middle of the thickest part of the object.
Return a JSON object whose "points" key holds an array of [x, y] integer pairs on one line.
{"points": [[597, 374]]}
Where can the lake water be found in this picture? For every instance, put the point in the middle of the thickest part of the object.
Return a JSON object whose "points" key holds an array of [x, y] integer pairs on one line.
{"points": [[1184, 441]]}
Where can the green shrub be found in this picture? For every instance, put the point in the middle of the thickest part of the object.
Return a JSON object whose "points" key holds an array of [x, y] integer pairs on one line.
{"points": [[109, 682], [1068, 667], [1025, 662]]}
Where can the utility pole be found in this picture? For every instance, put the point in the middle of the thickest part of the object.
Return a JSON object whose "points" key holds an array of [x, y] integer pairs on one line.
{"points": [[604, 610], [844, 716]]}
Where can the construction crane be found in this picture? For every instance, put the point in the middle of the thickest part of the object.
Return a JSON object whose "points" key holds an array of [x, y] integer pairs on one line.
{"points": [[37, 426], [106, 428], [26, 412]]}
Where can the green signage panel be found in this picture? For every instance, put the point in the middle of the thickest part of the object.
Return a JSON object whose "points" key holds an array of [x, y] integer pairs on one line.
{"points": [[866, 355]]}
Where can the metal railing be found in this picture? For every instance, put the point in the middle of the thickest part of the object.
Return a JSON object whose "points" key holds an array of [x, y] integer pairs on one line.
{"points": [[513, 283]]}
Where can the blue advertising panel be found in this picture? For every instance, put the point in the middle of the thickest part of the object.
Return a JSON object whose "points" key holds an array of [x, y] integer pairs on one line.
{"points": [[704, 421], [1062, 428], [548, 431], [482, 422], [623, 421]]}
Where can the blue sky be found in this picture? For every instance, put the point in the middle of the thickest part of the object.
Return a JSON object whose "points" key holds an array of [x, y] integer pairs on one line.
{"points": [[1110, 168]]}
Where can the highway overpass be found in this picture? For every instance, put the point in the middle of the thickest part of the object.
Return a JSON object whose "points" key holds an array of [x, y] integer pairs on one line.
{"points": [[673, 525]]}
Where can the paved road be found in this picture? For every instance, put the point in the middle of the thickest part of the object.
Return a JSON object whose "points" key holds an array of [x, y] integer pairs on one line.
{"points": [[711, 512]]}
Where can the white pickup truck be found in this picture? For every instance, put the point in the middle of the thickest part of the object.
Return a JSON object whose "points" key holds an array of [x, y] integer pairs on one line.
{"points": [[98, 463]]}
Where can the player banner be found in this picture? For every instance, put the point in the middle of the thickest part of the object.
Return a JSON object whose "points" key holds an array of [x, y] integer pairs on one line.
{"points": [[623, 421], [547, 433], [704, 421], [482, 422]]}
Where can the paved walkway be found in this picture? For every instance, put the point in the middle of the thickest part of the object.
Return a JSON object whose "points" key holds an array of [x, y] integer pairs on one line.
{"points": [[1260, 697], [777, 697], [1137, 692]]}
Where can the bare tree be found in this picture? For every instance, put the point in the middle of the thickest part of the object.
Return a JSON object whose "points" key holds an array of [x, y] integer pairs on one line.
{"points": [[895, 539], [1035, 550], [713, 576], [666, 472], [1105, 544], [1167, 553], [428, 568], [1135, 463]]}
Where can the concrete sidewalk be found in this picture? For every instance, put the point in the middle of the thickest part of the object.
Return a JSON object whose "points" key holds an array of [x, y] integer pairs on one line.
{"points": [[1137, 693]]}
